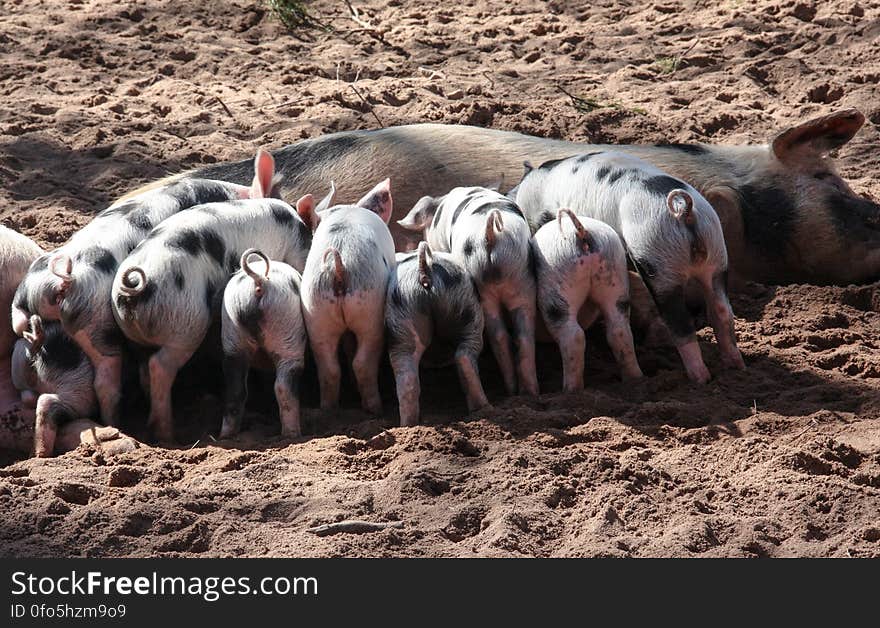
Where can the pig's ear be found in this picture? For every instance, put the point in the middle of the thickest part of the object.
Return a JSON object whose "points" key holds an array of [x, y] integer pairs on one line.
{"points": [[325, 202], [819, 135], [497, 185], [419, 217], [378, 200], [264, 173], [305, 207]]}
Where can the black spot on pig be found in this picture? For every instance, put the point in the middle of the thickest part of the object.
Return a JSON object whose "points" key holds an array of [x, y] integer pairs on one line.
{"points": [[294, 285], [460, 208], [556, 309], [602, 172], [140, 219], [674, 311], [504, 206], [691, 149], [623, 307], [552, 163], [436, 220], [587, 156], [178, 279], [99, 258], [468, 248], [335, 228], [854, 217], [769, 215], [250, 317], [214, 245], [663, 184], [60, 351], [615, 176], [186, 240], [211, 295], [282, 215]]}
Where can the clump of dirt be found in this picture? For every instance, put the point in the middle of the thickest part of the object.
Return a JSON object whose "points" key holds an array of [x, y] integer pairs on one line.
{"points": [[782, 459]]}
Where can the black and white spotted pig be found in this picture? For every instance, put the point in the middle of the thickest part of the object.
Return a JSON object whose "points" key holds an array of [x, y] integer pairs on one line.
{"points": [[487, 233], [343, 290], [54, 376], [671, 233], [72, 284], [581, 270], [169, 290], [262, 324], [433, 310]]}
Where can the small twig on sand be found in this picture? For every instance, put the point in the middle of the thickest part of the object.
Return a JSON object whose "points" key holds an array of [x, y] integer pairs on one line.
{"points": [[196, 443], [225, 108], [353, 527], [364, 100], [356, 18]]}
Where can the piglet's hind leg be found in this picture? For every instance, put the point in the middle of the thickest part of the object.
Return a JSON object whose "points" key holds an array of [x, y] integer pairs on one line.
{"points": [[287, 380]]}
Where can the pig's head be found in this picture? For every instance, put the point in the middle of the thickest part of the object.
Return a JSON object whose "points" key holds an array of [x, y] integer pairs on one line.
{"points": [[800, 220], [378, 200], [42, 290]]}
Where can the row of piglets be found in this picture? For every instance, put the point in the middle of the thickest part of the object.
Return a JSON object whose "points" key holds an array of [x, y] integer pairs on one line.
{"points": [[558, 243], [148, 272]]}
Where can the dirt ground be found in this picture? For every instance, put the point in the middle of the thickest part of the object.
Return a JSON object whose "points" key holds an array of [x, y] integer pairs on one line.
{"points": [[783, 459]]}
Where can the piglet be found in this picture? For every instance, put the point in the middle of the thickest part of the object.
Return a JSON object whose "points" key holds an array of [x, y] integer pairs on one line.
{"points": [[55, 377], [72, 284], [263, 324], [487, 233], [581, 269], [343, 290], [433, 310], [671, 234]]}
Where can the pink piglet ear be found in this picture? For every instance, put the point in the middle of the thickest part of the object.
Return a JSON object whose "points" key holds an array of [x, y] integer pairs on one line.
{"points": [[378, 200], [305, 207], [264, 172]]}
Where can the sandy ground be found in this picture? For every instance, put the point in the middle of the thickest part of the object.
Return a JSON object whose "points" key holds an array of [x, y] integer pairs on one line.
{"points": [[783, 459]]}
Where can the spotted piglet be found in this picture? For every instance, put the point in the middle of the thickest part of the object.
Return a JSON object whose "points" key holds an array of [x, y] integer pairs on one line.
{"points": [[54, 376], [343, 290], [671, 233], [487, 233], [169, 290], [262, 325], [433, 310], [581, 270]]}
